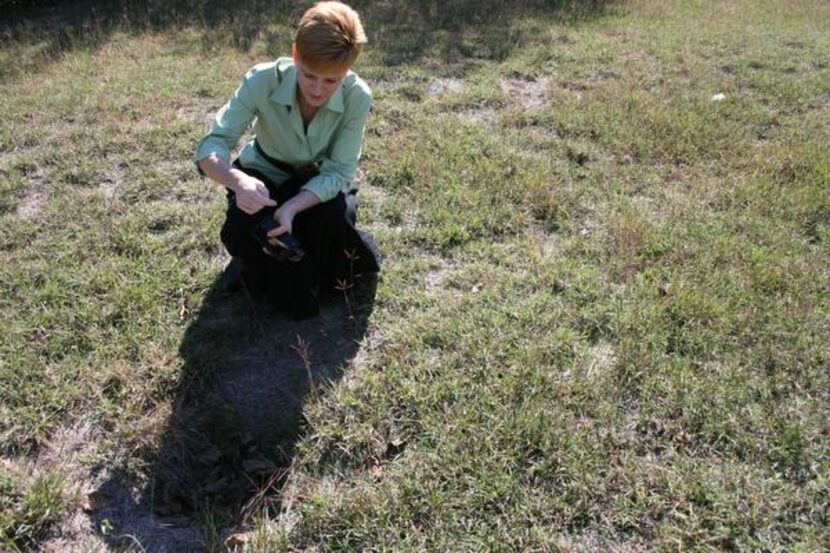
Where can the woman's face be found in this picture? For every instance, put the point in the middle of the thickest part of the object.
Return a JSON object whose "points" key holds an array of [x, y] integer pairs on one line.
{"points": [[315, 87]]}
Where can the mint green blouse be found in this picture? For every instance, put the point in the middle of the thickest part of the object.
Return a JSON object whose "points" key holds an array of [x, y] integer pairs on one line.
{"points": [[268, 98]]}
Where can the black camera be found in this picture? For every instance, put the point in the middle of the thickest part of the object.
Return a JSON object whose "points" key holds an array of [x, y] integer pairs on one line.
{"points": [[284, 247]]}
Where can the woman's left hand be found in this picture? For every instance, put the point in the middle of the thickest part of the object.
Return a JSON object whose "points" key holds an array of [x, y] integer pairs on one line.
{"points": [[284, 215]]}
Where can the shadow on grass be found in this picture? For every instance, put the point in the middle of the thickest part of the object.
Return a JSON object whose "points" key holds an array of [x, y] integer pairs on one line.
{"points": [[237, 415], [38, 32]]}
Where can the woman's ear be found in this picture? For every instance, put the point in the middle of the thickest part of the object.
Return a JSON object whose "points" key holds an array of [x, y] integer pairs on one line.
{"points": [[294, 51]]}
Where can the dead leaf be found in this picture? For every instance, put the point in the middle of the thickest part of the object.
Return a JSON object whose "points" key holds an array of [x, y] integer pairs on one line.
{"points": [[236, 540], [93, 501]]}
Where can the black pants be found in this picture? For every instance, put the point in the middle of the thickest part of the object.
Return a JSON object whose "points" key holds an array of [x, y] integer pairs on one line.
{"points": [[336, 254]]}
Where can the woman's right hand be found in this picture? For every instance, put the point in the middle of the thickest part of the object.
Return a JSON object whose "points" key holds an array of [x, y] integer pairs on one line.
{"points": [[251, 193]]}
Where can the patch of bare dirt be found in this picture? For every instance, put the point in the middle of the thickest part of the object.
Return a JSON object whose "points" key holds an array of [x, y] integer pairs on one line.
{"points": [[590, 226], [359, 179], [601, 359], [537, 141], [576, 87], [407, 225], [7, 157], [632, 56], [441, 87], [33, 202], [549, 245], [615, 33], [483, 115], [443, 279], [221, 259], [112, 182], [376, 193], [369, 195], [527, 93], [199, 111], [371, 342], [377, 196], [180, 171], [435, 276], [588, 543], [600, 77]]}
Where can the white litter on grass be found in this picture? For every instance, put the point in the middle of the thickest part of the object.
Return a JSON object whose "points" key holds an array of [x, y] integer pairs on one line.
{"points": [[719, 97]]}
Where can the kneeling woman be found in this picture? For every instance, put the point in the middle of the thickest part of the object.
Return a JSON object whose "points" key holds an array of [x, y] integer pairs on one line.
{"points": [[290, 185]]}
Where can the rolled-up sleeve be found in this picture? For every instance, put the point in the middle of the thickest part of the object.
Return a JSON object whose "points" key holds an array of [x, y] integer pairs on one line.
{"points": [[340, 163], [229, 124]]}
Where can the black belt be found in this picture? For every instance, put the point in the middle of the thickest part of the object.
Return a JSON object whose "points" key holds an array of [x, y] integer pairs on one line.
{"points": [[278, 163], [298, 176], [302, 174]]}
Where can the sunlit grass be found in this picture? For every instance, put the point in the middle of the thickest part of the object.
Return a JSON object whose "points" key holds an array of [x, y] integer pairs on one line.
{"points": [[602, 318]]}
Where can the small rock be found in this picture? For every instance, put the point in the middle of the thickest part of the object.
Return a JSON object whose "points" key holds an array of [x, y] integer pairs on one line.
{"points": [[719, 97]]}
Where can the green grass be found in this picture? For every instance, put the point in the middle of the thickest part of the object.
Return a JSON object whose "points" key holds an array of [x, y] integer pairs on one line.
{"points": [[29, 507], [602, 322]]}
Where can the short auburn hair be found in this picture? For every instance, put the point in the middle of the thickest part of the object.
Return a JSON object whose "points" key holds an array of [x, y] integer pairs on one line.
{"points": [[329, 37]]}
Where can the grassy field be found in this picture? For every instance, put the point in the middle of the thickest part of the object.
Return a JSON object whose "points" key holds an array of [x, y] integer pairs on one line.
{"points": [[602, 322]]}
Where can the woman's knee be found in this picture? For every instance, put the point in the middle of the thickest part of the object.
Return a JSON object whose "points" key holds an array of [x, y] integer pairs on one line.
{"points": [[330, 215]]}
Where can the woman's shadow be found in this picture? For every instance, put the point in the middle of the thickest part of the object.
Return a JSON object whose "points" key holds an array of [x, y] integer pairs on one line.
{"points": [[237, 413]]}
